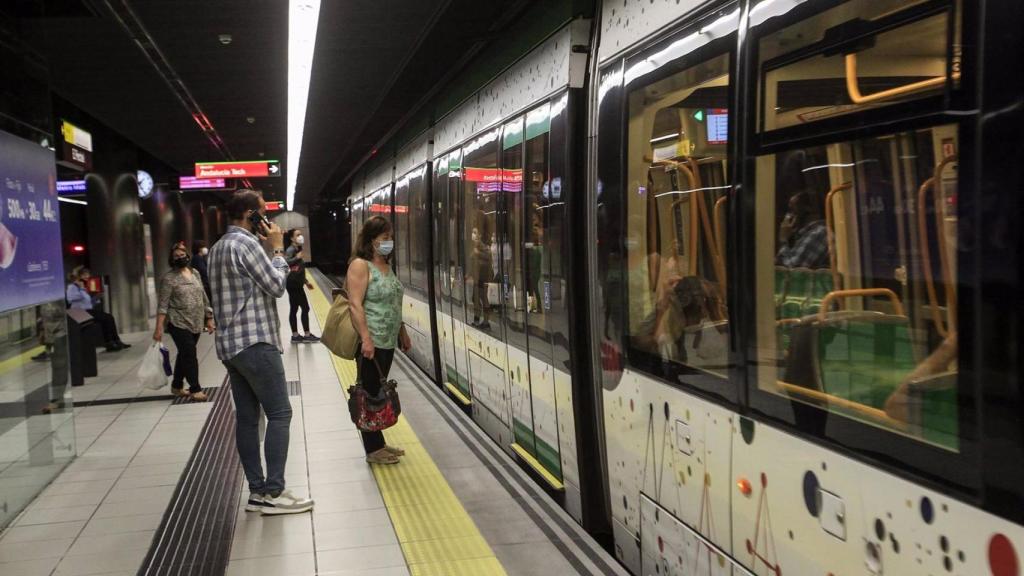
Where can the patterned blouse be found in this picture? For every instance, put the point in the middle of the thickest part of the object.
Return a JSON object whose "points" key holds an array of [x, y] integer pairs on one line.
{"points": [[184, 301], [383, 306]]}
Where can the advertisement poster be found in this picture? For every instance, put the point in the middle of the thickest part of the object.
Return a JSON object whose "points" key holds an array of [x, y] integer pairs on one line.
{"points": [[31, 265]]}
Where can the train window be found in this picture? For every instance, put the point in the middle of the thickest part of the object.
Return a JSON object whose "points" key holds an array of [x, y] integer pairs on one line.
{"points": [[859, 55], [419, 236], [536, 188], [481, 184], [856, 288], [403, 240], [675, 217], [512, 234]]}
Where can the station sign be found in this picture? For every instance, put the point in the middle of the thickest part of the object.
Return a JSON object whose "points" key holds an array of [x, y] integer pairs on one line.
{"points": [[273, 205], [76, 149], [192, 183], [253, 169], [71, 186]]}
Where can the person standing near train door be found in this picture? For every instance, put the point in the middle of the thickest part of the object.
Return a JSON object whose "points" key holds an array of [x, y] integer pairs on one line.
{"points": [[375, 299]]}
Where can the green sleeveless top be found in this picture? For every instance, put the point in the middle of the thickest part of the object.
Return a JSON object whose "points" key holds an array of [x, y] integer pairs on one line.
{"points": [[383, 306]]}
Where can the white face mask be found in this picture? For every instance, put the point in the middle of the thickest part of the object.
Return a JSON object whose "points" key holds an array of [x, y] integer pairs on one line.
{"points": [[300, 239], [203, 251]]}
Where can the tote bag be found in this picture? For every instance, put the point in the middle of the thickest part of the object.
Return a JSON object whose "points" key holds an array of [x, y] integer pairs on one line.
{"points": [[339, 334]]}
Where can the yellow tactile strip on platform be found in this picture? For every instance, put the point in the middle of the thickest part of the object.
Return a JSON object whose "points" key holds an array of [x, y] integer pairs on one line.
{"points": [[436, 534]]}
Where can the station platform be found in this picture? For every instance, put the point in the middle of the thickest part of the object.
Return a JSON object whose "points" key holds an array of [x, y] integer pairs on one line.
{"points": [[157, 487]]}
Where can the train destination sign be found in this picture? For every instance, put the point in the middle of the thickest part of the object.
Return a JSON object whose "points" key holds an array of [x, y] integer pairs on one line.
{"points": [[253, 169]]}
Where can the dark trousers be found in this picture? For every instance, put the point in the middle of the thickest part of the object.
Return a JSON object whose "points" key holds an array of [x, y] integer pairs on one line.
{"points": [[370, 378], [186, 365], [108, 324], [297, 299]]}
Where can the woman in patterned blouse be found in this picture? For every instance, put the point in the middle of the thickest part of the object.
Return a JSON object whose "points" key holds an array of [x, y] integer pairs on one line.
{"points": [[185, 309]]}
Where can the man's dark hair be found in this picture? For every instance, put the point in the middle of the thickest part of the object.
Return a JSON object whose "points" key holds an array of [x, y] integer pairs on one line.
{"points": [[241, 202], [197, 246]]}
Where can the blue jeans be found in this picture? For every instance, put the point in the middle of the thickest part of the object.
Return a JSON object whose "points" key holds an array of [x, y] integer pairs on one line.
{"points": [[257, 380]]}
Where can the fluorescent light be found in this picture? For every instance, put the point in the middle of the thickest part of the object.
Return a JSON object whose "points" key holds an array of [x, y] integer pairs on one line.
{"points": [[72, 201], [666, 137], [303, 18]]}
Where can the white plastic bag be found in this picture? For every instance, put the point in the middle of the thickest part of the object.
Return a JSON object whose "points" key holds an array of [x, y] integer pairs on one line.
{"points": [[151, 373]]}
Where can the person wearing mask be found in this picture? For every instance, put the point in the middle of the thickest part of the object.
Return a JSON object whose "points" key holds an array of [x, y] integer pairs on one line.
{"points": [[199, 252], [296, 285], [803, 236], [78, 297], [246, 284], [375, 302], [185, 310]]}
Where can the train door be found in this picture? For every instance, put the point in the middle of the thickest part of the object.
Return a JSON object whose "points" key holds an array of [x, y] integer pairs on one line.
{"points": [[517, 366], [457, 303], [443, 271], [538, 438], [486, 348]]}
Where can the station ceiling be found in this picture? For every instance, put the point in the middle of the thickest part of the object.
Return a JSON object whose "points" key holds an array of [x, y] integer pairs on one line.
{"points": [[375, 59]]}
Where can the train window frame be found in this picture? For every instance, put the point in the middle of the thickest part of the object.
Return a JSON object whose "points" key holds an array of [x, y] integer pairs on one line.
{"points": [[958, 471], [419, 235], [950, 98], [725, 387]]}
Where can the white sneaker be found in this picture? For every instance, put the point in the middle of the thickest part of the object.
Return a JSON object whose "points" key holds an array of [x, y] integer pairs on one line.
{"points": [[285, 503], [255, 503]]}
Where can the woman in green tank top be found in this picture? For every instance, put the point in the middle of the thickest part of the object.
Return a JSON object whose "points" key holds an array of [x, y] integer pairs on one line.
{"points": [[375, 300]]}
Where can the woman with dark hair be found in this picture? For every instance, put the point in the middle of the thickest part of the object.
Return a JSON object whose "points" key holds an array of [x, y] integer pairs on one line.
{"points": [[293, 255], [185, 309], [375, 301]]}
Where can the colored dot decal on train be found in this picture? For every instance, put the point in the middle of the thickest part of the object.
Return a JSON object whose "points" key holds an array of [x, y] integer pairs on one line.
{"points": [[747, 429], [811, 493], [927, 510], [1002, 558]]}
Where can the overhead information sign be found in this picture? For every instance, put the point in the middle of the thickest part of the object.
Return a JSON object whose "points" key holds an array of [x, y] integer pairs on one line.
{"points": [[255, 169], [273, 205], [191, 183], [76, 150], [71, 186], [31, 258]]}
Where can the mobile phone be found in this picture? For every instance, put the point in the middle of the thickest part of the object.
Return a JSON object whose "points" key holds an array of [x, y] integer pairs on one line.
{"points": [[256, 219]]}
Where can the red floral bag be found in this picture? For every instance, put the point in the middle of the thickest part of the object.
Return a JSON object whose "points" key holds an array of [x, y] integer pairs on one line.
{"points": [[370, 412]]}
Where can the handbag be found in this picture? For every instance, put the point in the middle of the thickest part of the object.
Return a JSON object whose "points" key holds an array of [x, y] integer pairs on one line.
{"points": [[374, 412], [339, 333]]}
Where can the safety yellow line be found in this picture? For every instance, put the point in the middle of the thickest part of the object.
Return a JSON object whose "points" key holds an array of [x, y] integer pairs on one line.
{"points": [[436, 534], [19, 360]]}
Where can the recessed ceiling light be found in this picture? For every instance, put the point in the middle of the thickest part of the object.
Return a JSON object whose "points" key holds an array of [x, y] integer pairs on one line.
{"points": [[251, 119], [225, 39]]}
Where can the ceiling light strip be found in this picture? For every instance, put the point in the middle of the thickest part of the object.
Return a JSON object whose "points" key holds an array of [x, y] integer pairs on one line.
{"points": [[303, 19]]}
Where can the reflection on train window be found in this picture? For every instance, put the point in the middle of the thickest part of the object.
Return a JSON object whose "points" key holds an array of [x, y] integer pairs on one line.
{"points": [[536, 187], [401, 229], [481, 181], [677, 193], [511, 248], [856, 288], [419, 237], [859, 55]]}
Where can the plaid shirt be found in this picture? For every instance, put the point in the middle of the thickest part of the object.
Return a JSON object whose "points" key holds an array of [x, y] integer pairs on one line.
{"points": [[245, 284], [808, 248]]}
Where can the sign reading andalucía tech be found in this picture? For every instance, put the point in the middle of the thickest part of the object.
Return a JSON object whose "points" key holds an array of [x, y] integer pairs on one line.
{"points": [[254, 169]]}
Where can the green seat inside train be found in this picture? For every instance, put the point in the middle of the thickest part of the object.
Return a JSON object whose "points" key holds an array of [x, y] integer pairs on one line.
{"points": [[798, 293], [864, 357]]}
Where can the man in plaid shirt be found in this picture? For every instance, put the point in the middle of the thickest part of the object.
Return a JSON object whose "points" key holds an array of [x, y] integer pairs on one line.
{"points": [[246, 284], [803, 236]]}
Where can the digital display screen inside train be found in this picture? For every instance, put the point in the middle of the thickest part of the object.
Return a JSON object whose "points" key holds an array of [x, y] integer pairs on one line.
{"points": [[717, 125]]}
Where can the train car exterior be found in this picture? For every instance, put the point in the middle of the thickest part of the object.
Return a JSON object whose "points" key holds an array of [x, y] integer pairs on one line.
{"points": [[739, 282]]}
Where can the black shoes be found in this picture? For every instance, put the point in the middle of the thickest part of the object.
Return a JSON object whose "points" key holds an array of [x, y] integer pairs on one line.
{"points": [[117, 346]]}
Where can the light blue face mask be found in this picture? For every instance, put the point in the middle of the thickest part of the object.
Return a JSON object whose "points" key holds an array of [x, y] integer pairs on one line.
{"points": [[385, 247]]}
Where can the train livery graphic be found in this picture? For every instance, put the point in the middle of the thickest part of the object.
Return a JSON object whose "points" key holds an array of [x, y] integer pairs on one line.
{"points": [[737, 283]]}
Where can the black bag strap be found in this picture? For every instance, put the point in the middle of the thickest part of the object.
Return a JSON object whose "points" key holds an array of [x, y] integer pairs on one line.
{"points": [[383, 378]]}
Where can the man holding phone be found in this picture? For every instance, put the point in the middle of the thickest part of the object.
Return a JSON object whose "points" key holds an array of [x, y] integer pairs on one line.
{"points": [[246, 284]]}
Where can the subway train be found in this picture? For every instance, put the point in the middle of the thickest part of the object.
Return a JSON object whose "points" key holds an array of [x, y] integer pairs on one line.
{"points": [[739, 283]]}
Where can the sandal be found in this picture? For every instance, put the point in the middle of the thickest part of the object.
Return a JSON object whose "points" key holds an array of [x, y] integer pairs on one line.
{"points": [[180, 393], [382, 456], [199, 396], [394, 450]]}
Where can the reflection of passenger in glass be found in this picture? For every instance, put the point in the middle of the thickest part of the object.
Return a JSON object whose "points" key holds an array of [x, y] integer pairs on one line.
{"points": [[480, 269], [803, 237]]}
